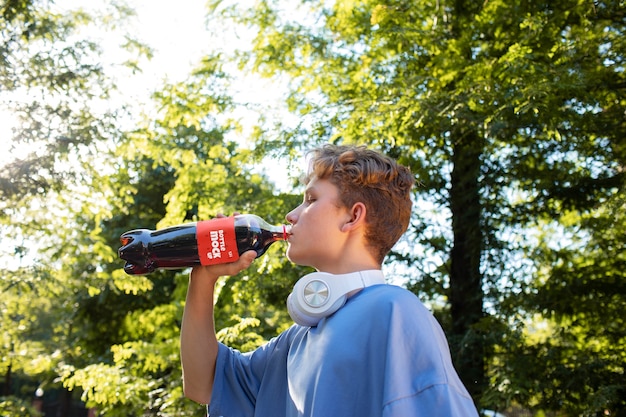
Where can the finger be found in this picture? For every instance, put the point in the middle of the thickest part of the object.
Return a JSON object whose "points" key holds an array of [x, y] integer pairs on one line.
{"points": [[247, 258]]}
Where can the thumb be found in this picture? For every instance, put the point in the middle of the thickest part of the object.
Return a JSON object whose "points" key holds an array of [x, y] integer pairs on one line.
{"points": [[246, 259]]}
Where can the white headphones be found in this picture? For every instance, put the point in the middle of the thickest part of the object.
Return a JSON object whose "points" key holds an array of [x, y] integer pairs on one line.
{"points": [[320, 294]]}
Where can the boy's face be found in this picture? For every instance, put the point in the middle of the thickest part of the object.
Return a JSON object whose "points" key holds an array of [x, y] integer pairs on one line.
{"points": [[316, 237]]}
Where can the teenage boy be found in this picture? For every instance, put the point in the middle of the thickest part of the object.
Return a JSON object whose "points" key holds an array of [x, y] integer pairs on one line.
{"points": [[359, 347]]}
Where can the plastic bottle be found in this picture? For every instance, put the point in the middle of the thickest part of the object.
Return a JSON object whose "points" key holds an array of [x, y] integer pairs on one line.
{"points": [[207, 242]]}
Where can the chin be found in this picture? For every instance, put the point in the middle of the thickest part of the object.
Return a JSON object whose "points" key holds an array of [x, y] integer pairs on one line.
{"points": [[290, 255], [298, 259]]}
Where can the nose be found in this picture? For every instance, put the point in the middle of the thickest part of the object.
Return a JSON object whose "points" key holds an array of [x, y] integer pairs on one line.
{"points": [[292, 216]]}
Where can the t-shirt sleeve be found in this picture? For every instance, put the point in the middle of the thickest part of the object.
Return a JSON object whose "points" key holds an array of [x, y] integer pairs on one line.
{"points": [[242, 378], [438, 400], [420, 379], [236, 382]]}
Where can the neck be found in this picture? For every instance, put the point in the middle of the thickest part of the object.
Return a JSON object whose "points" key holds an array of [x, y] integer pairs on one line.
{"points": [[352, 256], [338, 268]]}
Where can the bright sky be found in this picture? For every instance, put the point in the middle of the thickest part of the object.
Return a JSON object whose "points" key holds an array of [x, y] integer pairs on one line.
{"points": [[167, 28], [178, 35], [172, 29], [175, 31]]}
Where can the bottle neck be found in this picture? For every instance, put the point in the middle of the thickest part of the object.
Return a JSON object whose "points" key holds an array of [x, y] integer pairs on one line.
{"points": [[280, 232]]}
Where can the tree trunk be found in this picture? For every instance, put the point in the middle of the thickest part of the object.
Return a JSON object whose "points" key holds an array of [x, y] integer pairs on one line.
{"points": [[466, 296], [65, 403], [6, 390]]}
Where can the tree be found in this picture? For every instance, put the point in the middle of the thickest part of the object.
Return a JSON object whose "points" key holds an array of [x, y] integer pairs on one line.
{"points": [[506, 112], [180, 167], [579, 293], [510, 115], [55, 87], [52, 80], [106, 337]]}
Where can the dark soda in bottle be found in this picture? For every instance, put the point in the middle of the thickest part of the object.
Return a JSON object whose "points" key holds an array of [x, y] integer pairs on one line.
{"points": [[207, 242]]}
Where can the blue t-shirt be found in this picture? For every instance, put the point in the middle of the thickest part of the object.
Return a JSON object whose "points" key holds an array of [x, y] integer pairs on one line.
{"points": [[383, 354]]}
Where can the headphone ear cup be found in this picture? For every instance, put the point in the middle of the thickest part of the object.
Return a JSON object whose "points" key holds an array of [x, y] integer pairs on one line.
{"points": [[320, 294], [306, 316], [336, 306], [297, 314]]}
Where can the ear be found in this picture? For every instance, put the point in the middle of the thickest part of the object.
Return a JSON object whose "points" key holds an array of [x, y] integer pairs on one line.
{"points": [[357, 213]]}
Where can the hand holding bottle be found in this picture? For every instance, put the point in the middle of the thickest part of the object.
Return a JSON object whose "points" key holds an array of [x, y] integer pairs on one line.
{"points": [[212, 272]]}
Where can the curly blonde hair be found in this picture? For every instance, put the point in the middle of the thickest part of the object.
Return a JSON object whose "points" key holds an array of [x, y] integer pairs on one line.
{"points": [[379, 182]]}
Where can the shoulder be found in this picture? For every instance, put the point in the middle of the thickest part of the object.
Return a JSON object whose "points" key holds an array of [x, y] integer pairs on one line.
{"points": [[391, 297], [283, 341], [395, 308], [389, 290]]}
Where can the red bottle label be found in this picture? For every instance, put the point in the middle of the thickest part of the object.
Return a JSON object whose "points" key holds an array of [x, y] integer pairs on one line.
{"points": [[216, 241]]}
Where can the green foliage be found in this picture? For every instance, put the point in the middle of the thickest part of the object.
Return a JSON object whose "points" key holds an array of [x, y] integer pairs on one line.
{"points": [[239, 336], [144, 373], [508, 114], [184, 162], [52, 83], [580, 291], [62, 301], [13, 406]]}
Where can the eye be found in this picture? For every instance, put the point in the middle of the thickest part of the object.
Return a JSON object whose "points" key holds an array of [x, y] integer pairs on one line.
{"points": [[310, 199]]}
